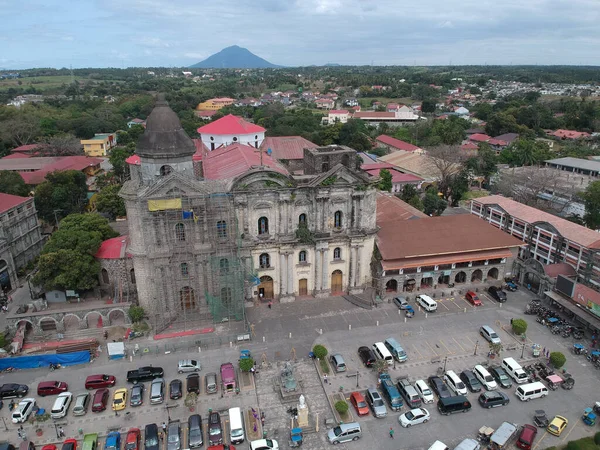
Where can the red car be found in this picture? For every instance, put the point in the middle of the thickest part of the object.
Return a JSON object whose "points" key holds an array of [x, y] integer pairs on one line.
{"points": [[527, 436], [99, 381], [69, 444], [100, 399], [51, 388], [472, 298], [132, 442], [359, 403]]}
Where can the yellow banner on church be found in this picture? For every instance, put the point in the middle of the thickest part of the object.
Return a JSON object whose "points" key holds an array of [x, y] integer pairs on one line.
{"points": [[161, 205]]}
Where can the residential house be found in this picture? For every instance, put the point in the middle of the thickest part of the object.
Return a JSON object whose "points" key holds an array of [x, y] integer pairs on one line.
{"points": [[351, 102], [569, 134], [33, 170], [395, 145], [214, 104], [231, 130], [461, 111], [336, 115], [136, 121], [325, 103], [392, 107], [100, 144], [478, 137], [399, 179]]}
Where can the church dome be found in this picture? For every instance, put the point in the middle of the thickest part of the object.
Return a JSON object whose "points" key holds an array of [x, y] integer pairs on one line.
{"points": [[164, 137]]}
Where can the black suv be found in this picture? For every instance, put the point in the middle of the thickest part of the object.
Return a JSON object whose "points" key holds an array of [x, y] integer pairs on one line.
{"points": [[367, 356], [13, 390], [497, 294], [501, 377], [493, 399], [175, 389], [470, 381], [439, 387]]}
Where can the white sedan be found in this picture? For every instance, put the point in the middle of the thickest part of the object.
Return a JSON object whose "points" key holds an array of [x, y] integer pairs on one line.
{"points": [[264, 444], [414, 417]]}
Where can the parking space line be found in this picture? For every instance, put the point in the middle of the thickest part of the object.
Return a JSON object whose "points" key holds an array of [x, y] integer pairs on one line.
{"points": [[429, 345], [572, 428], [417, 350], [461, 347], [442, 303], [457, 305], [540, 440], [446, 347]]}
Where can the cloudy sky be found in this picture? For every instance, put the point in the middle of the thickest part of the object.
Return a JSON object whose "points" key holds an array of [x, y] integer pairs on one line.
{"points": [[124, 33]]}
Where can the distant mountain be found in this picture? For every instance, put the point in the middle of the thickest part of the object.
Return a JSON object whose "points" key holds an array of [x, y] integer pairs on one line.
{"points": [[234, 57]]}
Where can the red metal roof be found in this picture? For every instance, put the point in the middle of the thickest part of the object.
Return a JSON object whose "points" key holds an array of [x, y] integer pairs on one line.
{"points": [[397, 176], [230, 124], [59, 163], [498, 142], [570, 134], [17, 156], [114, 248], [25, 148], [8, 201], [469, 146], [287, 147], [478, 137], [236, 159], [397, 143], [338, 111], [374, 115]]}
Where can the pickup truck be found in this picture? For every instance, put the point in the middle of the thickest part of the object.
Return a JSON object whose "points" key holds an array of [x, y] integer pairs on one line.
{"points": [[147, 373]]}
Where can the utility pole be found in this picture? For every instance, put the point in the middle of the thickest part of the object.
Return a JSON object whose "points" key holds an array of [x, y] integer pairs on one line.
{"points": [[56, 217], [476, 345]]}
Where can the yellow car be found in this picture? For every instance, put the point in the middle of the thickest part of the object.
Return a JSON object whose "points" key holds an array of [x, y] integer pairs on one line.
{"points": [[558, 425], [119, 399]]}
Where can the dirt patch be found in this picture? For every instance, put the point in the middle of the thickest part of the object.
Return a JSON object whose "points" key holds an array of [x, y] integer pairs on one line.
{"points": [[253, 425]]}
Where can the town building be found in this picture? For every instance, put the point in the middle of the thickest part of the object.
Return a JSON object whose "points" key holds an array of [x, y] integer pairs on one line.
{"points": [[214, 104], [247, 231], [404, 114], [336, 115], [33, 170], [325, 103], [100, 144], [399, 179], [550, 242], [396, 145], [136, 121], [580, 166], [568, 134], [230, 130], [416, 252], [117, 276], [420, 165], [21, 239], [288, 150]]}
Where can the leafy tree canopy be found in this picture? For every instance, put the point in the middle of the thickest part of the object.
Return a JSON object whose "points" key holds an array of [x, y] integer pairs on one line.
{"points": [[12, 183], [591, 199], [109, 202], [64, 192]]}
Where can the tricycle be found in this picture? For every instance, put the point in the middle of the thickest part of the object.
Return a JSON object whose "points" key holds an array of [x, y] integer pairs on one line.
{"points": [[409, 311], [245, 354], [484, 434], [296, 437], [510, 286], [535, 350], [579, 349], [589, 418], [568, 381], [554, 381], [540, 419]]}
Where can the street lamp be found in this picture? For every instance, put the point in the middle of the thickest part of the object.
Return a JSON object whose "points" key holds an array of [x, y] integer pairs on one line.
{"points": [[476, 345], [522, 351], [357, 378], [445, 361]]}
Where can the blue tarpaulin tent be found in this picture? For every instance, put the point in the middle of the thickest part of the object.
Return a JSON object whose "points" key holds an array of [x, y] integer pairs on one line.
{"points": [[35, 361]]}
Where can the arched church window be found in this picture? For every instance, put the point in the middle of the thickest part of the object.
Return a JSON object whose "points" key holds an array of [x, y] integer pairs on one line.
{"points": [[180, 232], [165, 170]]}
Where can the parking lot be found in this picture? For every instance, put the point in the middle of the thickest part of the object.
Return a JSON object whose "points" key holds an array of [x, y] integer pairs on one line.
{"points": [[448, 337]]}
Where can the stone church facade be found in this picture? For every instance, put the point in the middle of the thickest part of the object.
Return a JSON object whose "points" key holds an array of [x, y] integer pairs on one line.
{"points": [[204, 248]]}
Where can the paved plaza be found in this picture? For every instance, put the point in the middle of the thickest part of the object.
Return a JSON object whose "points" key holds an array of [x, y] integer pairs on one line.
{"points": [[448, 337]]}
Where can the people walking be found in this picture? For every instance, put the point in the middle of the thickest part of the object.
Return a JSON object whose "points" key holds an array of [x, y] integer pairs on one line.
{"points": [[391, 433], [270, 304], [325, 379], [61, 432], [164, 427]]}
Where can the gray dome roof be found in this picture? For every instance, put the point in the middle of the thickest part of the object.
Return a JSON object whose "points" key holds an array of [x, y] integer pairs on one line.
{"points": [[164, 137]]}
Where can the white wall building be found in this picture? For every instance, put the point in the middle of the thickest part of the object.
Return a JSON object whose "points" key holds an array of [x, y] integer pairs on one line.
{"points": [[231, 130]]}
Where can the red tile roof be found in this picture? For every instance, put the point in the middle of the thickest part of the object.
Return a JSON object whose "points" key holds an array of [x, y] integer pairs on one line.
{"points": [[498, 142], [8, 201], [207, 114], [469, 146], [396, 143], [374, 115], [478, 137], [573, 232], [230, 124], [565, 269], [570, 134], [390, 209], [114, 248], [236, 159], [134, 160], [25, 148], [338, 111], [17, 156], [34, 170], [287, 147]]}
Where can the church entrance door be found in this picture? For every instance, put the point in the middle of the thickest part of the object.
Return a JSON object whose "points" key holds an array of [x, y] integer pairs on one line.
{"points": [[303, 287], [266, 287], [187, 298], [336, 281]]}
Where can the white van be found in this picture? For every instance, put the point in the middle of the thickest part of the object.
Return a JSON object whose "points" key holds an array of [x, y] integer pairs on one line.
{"points": [[438, 445], [236, 426], [427, 303], [383, 353], [514, 370], [455, 383], [61, 405], [424, 391], [526, 392], [485, 378], [23, 411]]}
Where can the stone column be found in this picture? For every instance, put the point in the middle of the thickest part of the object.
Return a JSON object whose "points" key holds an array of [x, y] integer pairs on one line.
{"points": [[283, 275], [351, 264], [325, 276], [290, 286], [357, 278], [318, 270], [317, 224]]}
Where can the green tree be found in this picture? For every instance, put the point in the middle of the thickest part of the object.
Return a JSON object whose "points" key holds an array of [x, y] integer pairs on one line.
{"points": [[64, 192], [136, 313], [117, 158], [484, 164], [341, 406], [320, 351], [433, 205], [109, 202], [408, 192], [501, 123], [428, 106], [459, 185], [67, 260], [519, 326], [12, 183], [557, 359], [386, 180], [246, 364], [591, 199]]}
